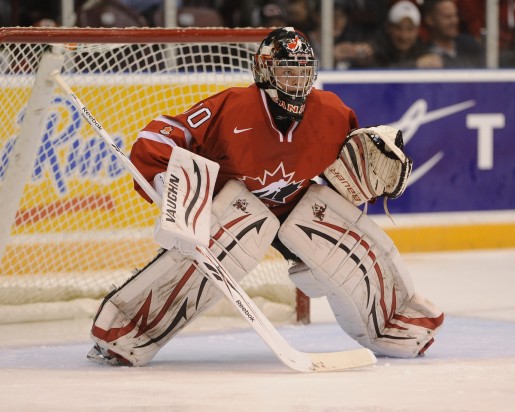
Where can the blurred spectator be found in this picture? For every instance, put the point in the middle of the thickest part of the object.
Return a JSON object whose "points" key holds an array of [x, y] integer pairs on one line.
{"points": [[472, 17], [422, 31], [108, 13], [473, 21], [142, 5], [38, 13], [153, 11], [45, 23], [146, 8], [351, 46], [457, 50], [368, 14], [300, 14], [271, 15], [418, 3], [507, 33], [240, 13], [400, 45], [191, 16], [5, 13]]}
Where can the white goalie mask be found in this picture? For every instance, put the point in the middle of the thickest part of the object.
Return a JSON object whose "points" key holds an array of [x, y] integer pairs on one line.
{"points": [[286, 68]]}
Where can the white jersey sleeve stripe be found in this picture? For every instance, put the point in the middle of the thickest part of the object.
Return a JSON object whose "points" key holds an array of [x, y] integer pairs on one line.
{"points": [[156, 137], [187, 134], [164, 119]]}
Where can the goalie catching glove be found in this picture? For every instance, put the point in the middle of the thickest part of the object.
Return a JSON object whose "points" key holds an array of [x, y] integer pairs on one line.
{"points": [[371, 164]]}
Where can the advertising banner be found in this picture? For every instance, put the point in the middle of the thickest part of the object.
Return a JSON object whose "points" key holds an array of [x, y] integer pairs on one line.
{"points": [[458, 127]]}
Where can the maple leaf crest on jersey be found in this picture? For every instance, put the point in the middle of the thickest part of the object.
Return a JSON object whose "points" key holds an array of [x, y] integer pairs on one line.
{"points": [[166, 130], [276, 186]]}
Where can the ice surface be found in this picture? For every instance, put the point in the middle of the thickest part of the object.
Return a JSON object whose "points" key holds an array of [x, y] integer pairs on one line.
{"points": [[217, 366]]}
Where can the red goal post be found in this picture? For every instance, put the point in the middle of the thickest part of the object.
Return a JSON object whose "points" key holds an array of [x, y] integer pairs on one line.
{"points": [[71, 226]]}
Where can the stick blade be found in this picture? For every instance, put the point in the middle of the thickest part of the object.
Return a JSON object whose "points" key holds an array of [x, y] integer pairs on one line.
{"points": [[339, 361]]}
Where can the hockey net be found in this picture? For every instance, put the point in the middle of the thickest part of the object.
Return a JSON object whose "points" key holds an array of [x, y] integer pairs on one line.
{"points": [[71, 226]]}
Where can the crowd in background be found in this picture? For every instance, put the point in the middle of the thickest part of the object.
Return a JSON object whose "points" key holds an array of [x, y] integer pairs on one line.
{"points": [[367, 33]]}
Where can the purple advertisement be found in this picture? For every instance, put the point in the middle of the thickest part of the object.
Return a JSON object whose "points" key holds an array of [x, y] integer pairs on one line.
{"points": [[460, 135]]}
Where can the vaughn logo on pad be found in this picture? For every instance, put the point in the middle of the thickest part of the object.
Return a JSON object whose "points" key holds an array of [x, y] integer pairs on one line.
{"points": [[186, 202]]}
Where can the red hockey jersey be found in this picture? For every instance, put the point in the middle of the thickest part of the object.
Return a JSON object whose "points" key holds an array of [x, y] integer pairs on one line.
{"points": [[235, 129]]}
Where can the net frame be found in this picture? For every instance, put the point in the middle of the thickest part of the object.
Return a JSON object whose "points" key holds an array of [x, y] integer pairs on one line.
{"points": [[105, 40]]}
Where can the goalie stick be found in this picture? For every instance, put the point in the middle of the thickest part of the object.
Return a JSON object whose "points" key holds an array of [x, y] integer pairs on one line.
{"points": [[297, 360]]}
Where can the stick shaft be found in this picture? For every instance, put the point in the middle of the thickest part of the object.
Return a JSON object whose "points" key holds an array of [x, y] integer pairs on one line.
{"points": [[138, 177]]}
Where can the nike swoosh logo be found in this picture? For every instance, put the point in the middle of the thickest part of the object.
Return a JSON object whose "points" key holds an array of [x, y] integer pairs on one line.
{"points": [[236, 130], [417, 115]]}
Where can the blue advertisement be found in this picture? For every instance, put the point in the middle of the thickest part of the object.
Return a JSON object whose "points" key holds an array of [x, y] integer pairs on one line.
{"points": [[460, 135]]}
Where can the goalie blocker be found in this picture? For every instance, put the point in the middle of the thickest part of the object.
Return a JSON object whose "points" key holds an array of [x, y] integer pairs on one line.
{"points": [[186, 189]]}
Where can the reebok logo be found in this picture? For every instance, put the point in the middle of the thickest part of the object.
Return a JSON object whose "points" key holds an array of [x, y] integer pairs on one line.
{"points": [[237, 131]]}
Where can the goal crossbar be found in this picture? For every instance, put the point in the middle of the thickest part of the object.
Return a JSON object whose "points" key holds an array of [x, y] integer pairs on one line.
{"points": [[48, 35]]}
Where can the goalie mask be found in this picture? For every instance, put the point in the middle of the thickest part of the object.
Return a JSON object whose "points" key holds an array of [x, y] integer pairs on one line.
{"points": [[286, 68]]}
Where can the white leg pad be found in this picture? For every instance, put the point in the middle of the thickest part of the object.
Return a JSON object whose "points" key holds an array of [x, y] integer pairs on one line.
{"points": [[364, 278], [142, 315], [137, 319]]}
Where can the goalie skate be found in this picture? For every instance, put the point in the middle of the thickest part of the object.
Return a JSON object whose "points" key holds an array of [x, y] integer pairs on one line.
{"points": [[96, 355]]}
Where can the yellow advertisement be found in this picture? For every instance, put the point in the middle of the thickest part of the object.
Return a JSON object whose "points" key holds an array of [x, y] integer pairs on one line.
{"points": [[79, 201]]}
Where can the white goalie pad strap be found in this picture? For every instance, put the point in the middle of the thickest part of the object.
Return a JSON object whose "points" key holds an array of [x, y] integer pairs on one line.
{"points": [[141, 316], [159, 183], [300, 274], [186, 200], [371, 164], [364, 278]]}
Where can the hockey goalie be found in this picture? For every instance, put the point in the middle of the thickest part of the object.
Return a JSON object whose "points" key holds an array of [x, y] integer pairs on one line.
{"points": [[236, 175]]}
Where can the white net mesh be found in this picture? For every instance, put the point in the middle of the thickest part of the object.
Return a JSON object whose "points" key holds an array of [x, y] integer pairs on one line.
{"points": [[79, 227]]}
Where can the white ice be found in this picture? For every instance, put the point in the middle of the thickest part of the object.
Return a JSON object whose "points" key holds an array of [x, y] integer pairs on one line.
{"points": [[471, 366]]}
